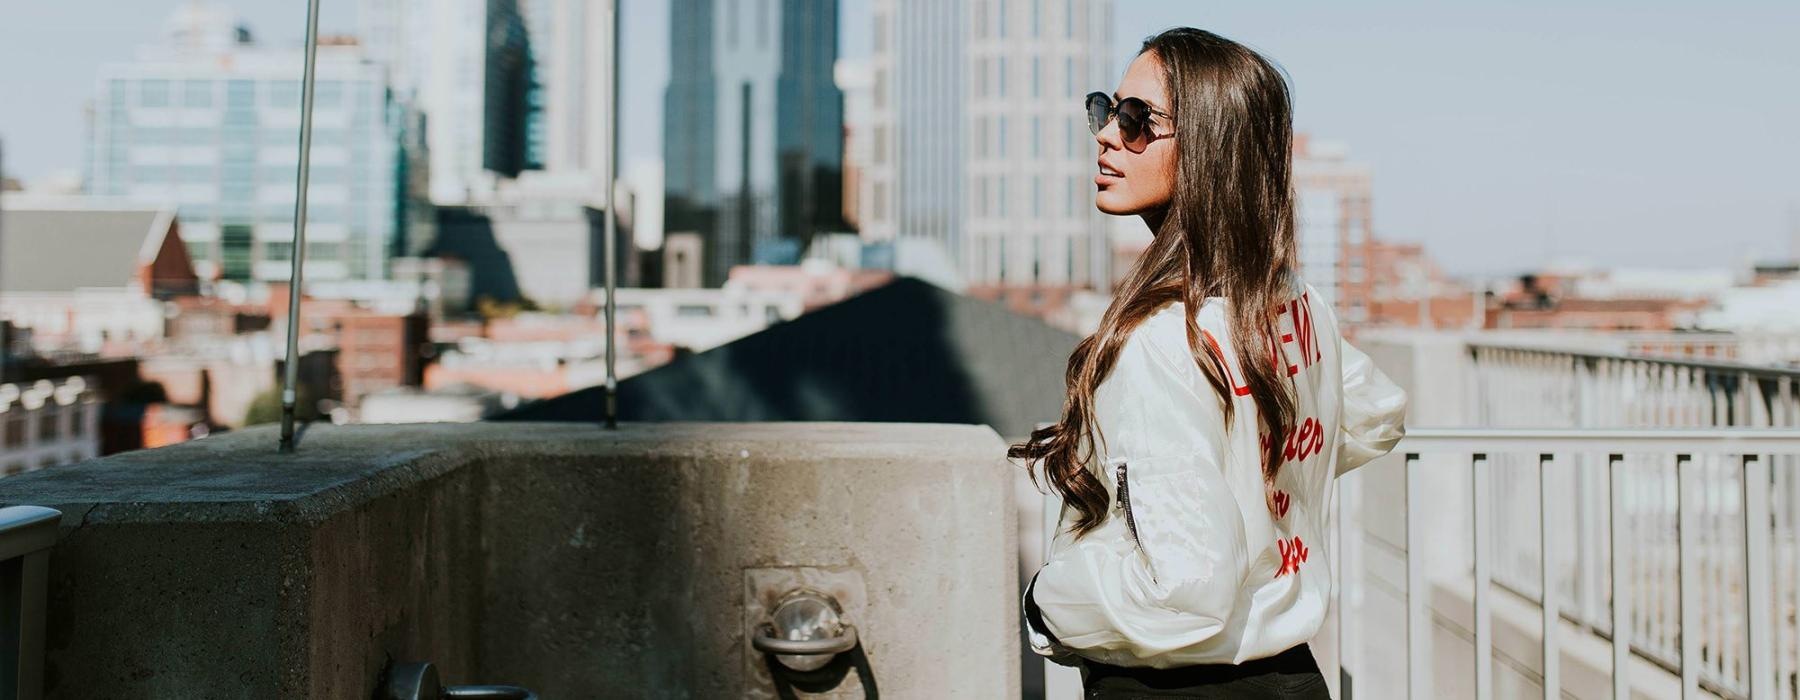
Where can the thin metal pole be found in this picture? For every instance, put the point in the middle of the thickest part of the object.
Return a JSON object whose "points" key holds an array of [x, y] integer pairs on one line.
{"points": [[1687, 501], [1757, 578], [1481, 478], [1547, 579], [612, 214], [1621, 582], [291, 373], [1418, 673]]}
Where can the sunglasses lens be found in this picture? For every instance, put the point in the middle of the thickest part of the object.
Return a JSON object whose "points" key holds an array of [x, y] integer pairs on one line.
{"points": [[1132, 112], [1099, 107]]}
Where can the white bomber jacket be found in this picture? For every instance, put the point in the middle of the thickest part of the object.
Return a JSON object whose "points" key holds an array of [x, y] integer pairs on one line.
{"points": [[1200, 562]]}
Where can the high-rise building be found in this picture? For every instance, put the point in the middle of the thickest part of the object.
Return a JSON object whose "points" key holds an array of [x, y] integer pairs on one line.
{"points": [[208, 121], [979, 143], [470, 66], [753, 124], [571, 42], [1336, 228]]}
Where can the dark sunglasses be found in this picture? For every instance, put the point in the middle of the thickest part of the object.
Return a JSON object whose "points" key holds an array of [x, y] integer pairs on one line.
{"points": [[1134, 119]]}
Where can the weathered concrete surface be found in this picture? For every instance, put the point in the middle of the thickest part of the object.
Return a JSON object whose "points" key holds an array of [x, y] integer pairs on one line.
{"points": [[576, 561]]}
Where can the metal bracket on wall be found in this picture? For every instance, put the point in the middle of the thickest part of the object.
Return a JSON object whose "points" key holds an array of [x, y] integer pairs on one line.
{"points": [[418, 680]]}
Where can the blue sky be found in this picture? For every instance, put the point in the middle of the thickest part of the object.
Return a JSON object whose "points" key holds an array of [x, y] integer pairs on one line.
{"points": [[1638, 133]]}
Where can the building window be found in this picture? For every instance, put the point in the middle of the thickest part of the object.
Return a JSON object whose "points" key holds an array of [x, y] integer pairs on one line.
{"points": [[1069, 87], [1037, 84], [1070, 259], [1001, 78], [1000, 137], [981, 77], [981, 137], [1001, 20], [277, 251], [328, 94], [284, 94], [880, 88], [1002, 198], [234, 256], [1068, 19], [731, 24], [1037, 18], [197, 93], [48, 427], [15, 431], [880, 41], [1000, 256], [1037, 198], [762, 25], [981, 17], [880, 145], [153, 93]]}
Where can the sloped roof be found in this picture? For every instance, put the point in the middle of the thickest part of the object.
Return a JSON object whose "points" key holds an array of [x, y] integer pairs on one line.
{"points": [[904, 352], [61, 250]]}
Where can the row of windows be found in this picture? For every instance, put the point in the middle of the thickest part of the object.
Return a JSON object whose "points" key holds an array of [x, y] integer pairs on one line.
{"points": [[50, 421], [991, 260], [245, 136], [991, 138], [989, 196], [991, 79], [991, 17], [203, 94], [237, 250]]}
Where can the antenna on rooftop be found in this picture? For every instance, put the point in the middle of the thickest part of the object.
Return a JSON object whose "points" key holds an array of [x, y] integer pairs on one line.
{"points": [[291, 368], [612, 214]]}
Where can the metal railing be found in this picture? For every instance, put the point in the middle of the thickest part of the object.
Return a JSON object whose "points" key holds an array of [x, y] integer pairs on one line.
{"points": [[1698, 538]]}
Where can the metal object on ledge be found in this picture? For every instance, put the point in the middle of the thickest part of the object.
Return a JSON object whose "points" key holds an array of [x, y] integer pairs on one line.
{"points": [[807, 631], [418, 680], [26, 535]]}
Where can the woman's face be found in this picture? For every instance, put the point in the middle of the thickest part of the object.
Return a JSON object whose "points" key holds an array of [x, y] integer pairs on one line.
{"points": [[1130, 182]]}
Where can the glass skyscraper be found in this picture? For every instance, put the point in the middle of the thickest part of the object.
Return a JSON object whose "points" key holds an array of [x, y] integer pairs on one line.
{"points": [[753, 129], [209, 122]]}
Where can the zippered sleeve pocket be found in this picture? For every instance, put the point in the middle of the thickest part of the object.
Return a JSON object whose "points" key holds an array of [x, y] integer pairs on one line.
{"points": [[1122, 480]]}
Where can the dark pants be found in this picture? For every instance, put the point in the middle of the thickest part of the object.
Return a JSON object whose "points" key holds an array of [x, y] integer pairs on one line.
{"points": [[1289, 674]]}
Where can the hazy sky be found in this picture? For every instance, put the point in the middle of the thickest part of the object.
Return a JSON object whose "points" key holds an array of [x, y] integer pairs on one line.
{"points": [[1642, 133]]}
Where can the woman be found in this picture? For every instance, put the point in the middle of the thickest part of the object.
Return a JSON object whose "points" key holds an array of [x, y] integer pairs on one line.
{"points": [[1191, 557]]}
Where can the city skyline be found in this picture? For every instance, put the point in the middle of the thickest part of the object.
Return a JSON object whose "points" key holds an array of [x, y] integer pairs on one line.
{"points": [[1644, 137]]}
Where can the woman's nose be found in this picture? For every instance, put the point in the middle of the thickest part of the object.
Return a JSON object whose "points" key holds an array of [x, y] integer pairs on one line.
{"points": [[1108, 136]]}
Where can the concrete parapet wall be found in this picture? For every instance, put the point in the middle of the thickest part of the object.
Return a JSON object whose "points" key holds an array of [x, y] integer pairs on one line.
{"points": [[572, 560]]}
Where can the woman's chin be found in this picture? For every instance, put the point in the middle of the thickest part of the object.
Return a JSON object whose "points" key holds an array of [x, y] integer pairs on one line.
{"points": [[1116, 203]]}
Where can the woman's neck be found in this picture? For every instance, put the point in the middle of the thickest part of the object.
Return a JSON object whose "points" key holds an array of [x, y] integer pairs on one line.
{"points": [[1154, 219]]}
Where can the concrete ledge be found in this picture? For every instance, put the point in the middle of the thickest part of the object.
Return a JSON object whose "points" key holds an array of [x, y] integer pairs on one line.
{"points": [[573, 560]]}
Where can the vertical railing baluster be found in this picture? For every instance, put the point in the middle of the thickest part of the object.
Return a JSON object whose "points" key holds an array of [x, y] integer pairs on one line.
{"points": [[1621, 588], [1686, 488], [1343, 567], [1755, 476], [1547, 581], [1481, 478], [1417, 671]]}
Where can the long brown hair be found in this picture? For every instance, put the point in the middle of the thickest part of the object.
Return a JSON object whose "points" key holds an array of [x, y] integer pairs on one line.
{"points": [[1228, 231]]}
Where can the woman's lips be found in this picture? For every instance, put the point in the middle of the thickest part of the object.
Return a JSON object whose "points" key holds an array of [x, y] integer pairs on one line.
{"points": [[1107, 176]]}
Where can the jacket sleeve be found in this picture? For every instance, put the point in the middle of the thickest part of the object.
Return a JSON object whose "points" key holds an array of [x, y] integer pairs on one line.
{"points": [[1166, 578], [1374, 415]]}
